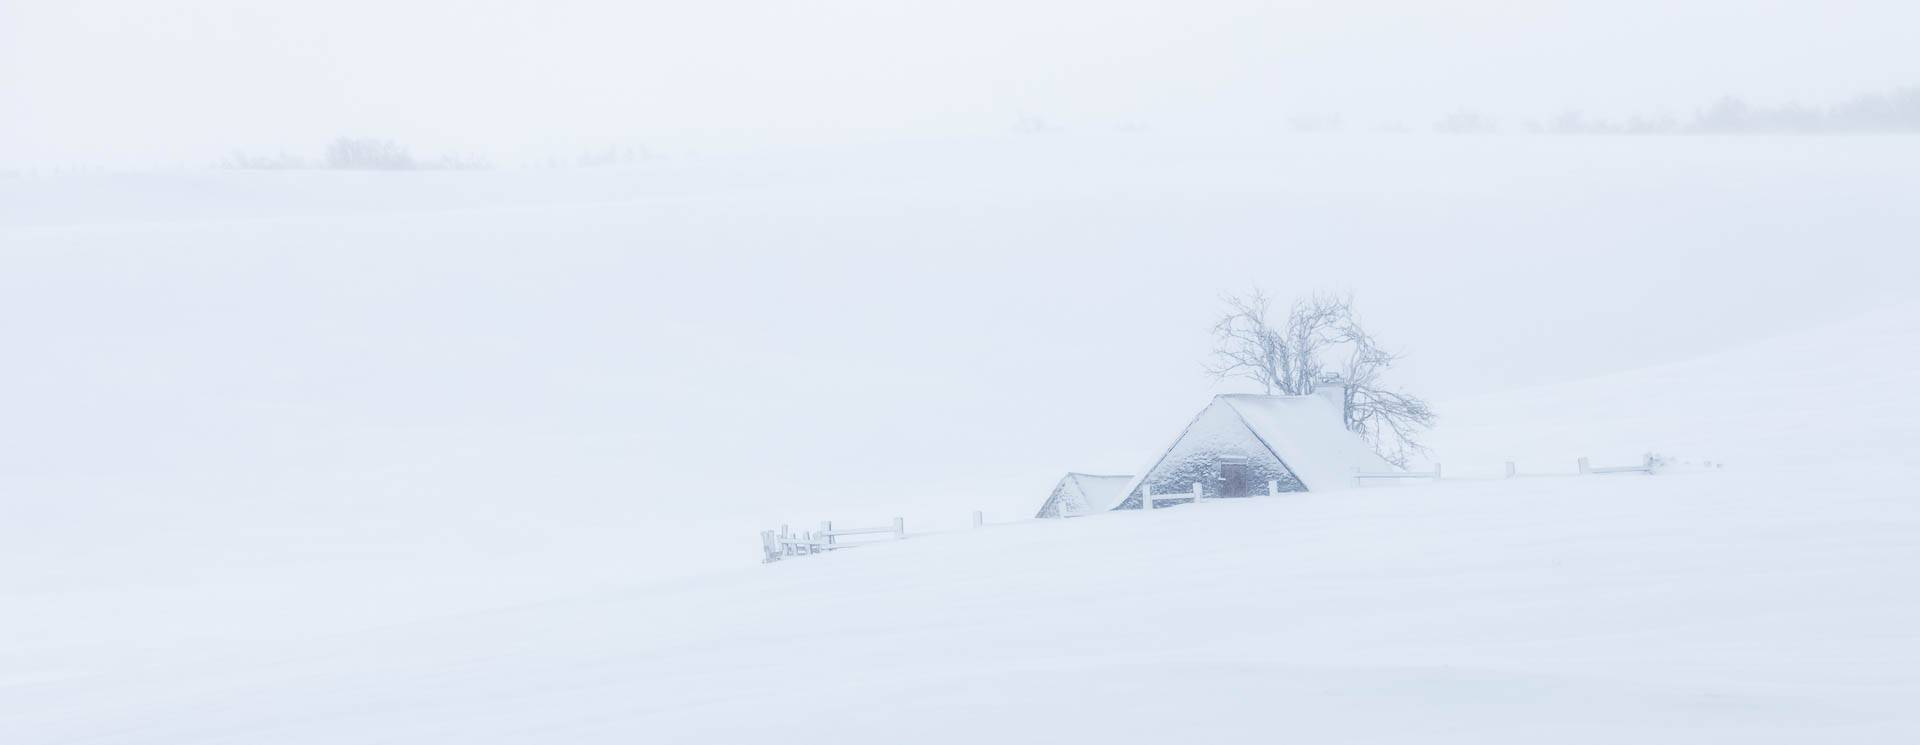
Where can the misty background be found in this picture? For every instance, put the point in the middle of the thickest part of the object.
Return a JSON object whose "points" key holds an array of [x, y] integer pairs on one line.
{"points": [[866, 259], [114, 83]]}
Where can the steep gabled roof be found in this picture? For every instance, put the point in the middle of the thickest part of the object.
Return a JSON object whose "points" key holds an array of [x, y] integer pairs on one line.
{"points": [[1303, 432], [1134, 483]]}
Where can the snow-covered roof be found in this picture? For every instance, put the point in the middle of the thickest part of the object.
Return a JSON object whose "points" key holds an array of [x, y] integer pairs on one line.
{"points": [[1084, 493], [1304, 432], [1101, 492]]}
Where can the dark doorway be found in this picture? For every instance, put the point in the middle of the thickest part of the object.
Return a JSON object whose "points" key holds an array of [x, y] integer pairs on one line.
{"points": [[1233, 477]]}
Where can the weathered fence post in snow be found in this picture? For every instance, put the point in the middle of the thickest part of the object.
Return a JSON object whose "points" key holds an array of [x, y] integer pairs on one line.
{"points": [[1273, 488], [1511, 470], [770, 553], [1197, 494], [979, 519], [826, 532], [1584, 467], [1146, 496], [899, 528], [1436, 472]]}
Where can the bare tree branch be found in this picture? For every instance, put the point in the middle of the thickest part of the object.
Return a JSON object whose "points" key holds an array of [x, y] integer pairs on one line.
{"points": [[1390, 419], [1292, 360], [1247, 346]]}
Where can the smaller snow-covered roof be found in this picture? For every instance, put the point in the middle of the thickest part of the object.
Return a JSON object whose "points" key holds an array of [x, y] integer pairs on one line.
{"points": [[1101, 492], [1084, 493]]}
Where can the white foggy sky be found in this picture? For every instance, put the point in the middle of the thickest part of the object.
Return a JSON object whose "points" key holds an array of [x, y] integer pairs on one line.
{"points": [[136, 83], [885, 277], [856, 330]]}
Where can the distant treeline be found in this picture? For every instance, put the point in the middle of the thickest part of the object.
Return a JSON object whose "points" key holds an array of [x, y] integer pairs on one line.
{"points": [[1896, 112], [374, 154], [356, 154]]}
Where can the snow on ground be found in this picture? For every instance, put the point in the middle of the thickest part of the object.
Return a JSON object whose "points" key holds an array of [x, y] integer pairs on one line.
{"points": [[292, 463], [1730, 607], [1841, 393], [1763, 602]]}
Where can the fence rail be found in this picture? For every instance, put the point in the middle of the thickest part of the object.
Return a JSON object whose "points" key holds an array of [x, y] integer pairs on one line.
{"points": [[776, 545], [896, 528], [783, 544], [1582, 467], [1646, 467], [1147, 497], [1433, 474]]}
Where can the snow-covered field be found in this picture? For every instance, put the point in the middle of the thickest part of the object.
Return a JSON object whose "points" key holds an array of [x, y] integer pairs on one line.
{"points": [[1766, 601], [448, 561]]}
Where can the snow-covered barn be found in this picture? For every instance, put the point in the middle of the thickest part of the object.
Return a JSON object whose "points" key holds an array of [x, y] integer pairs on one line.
{"points": [[1081, 493], [1243, 444]]}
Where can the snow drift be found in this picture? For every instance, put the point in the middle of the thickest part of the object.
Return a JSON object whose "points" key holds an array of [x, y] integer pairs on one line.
{"points": [[1761, 602], [340, 458]]}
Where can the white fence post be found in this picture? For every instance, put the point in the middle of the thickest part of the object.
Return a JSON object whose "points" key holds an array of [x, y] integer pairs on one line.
{"points": [[1197, 494], [1584, 467], [826, 532], [1146, 496], [1436, 472], [1511, 470], [899, 528], [1273, 488], [979, 519], [769, 553]]}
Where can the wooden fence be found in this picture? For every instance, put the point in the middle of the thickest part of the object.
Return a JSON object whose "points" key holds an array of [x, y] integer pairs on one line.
{"points": [[785, 544], [1582, 468], [1147, 497], [1196, 495]]}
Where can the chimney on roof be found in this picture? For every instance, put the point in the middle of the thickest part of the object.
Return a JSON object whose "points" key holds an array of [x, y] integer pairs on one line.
{"points": [[1333, 389]]}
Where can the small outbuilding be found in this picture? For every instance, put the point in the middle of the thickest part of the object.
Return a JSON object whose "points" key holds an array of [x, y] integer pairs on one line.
{"points": [[1083, 493]]}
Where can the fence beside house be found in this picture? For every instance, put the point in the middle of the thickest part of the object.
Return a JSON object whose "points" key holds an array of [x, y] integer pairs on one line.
{"points": [[1582, 467], [777, 545]]}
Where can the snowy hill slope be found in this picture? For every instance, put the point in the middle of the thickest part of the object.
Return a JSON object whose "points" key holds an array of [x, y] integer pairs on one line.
{"points": [[1763, 602], [1842, 393]]}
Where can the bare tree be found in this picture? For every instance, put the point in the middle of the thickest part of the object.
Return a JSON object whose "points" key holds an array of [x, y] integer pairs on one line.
{"points": [[1313, 326], [1391, 420], [1293, 359], [1284, 359], [1246, 345]]}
